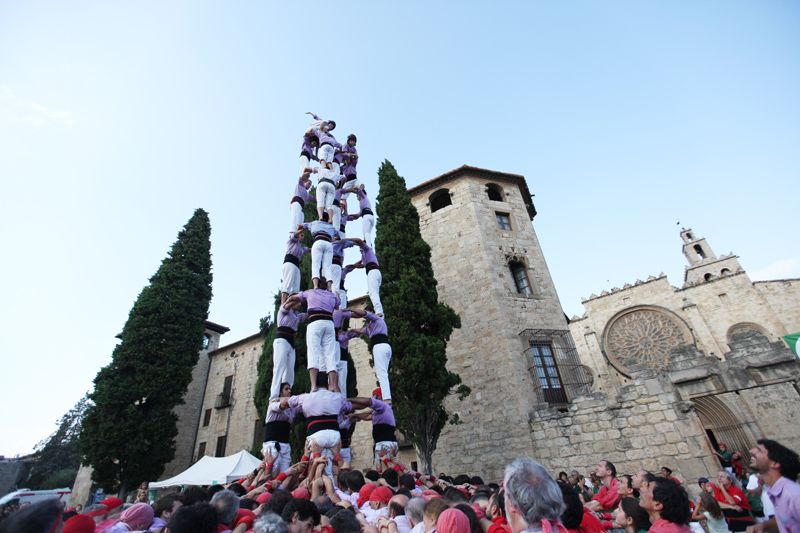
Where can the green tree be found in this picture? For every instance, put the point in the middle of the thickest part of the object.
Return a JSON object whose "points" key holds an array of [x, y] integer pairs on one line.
{"points": [[267, 327], [57, 458], [129, 432], [419, 325]]}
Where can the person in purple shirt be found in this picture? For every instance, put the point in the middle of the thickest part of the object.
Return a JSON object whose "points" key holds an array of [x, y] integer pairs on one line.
{"points": [[298, 202], [328, 144], [375, 328], [322, 250], [369, 261], [349, 156], [342, 354], [779, 467], [366, 214], [295, 250], [320, 335], [322, 408], [277, 429], [283, 354], [383, 426], [308, 151]]}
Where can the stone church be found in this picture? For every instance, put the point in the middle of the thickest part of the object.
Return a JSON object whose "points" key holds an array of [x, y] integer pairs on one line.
{"points": [[651, 375]]}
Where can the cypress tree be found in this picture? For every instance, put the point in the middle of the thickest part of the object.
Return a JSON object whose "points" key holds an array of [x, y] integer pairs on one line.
{"points": [[129, 431], [268, 327], [419, 325]]}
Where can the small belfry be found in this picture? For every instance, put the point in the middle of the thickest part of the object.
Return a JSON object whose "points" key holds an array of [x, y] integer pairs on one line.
{"points": [[704, 265]]}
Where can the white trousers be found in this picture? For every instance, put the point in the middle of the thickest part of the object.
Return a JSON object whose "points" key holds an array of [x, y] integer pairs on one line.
{"points": [[321, 345], [341, 369], [321, 259], [283, 357], [325, 153], [325, 194], [326, 439], [304, 163], [336, 277], [351, 184], [296, 216], [382, 354], [367, 223], [374, 279], [342, 297], [346, 455], [337, 218], [283, 458], [291, 278]]}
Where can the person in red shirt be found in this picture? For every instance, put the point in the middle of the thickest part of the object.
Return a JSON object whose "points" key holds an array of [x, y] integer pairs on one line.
{"points": [[735, 505], [607, 497], [667, 504]]}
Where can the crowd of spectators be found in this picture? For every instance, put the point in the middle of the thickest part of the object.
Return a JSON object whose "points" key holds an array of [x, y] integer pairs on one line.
{"points": [[304, 498]]}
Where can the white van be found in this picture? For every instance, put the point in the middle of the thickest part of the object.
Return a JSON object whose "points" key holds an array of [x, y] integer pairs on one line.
{"points": [[25, 496]]}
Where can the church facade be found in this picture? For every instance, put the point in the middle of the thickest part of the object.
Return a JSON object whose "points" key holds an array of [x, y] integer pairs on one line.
{"points": [[651, 374]]}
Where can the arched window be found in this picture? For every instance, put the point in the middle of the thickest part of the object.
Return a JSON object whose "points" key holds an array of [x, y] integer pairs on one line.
{"points": [[689, 236], [521, 282], [439, 199], [708, 277], [724, 272], [494, 192], [699, 250]]}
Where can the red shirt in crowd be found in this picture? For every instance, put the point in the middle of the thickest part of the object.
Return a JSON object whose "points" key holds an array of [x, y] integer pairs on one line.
{"points": [[608, 496], [735, 493], [499, 525], [590, 524], [665, 526]]}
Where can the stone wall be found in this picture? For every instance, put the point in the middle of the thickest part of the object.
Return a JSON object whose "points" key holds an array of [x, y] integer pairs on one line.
{"points": [[782, 296], [639, 428], [240, 420]]}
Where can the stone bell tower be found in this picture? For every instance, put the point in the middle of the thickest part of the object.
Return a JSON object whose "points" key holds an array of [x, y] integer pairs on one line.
{"points": [[514, 348], [703, 264]]}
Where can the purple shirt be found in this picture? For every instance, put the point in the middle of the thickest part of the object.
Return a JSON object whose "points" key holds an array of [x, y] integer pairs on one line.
{"points": [[339, 316], [785, 496], [290, 318], [320, 299], [302, 193], [326, 138], [295, 247], [382, 413], [275, 414], [320, 226], [344, 338], [363, 200], [374, 325], [308, 148], [322, 402], [340, 246], [349, 168], [368, 255]]}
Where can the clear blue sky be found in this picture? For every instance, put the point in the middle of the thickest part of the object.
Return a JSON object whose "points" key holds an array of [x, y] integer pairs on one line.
{"points": [[118, 119]]}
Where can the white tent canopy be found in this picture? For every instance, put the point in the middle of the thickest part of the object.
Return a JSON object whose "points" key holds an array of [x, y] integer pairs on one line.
{"points": [[211, 470]]}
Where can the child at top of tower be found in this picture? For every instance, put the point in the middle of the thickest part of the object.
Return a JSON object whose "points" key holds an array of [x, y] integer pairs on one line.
{"points": [[327, 142]]}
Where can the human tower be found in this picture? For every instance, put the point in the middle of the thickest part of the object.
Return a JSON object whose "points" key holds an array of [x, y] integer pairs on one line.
{"points": [[329, 414]]}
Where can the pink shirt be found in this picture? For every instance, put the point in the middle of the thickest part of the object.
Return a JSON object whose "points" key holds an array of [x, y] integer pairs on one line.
{"points": [[785, 496], [665, 526]]}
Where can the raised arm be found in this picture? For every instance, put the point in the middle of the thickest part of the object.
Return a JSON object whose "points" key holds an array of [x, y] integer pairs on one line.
{"points": [[360, 403], [292, 302]]}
